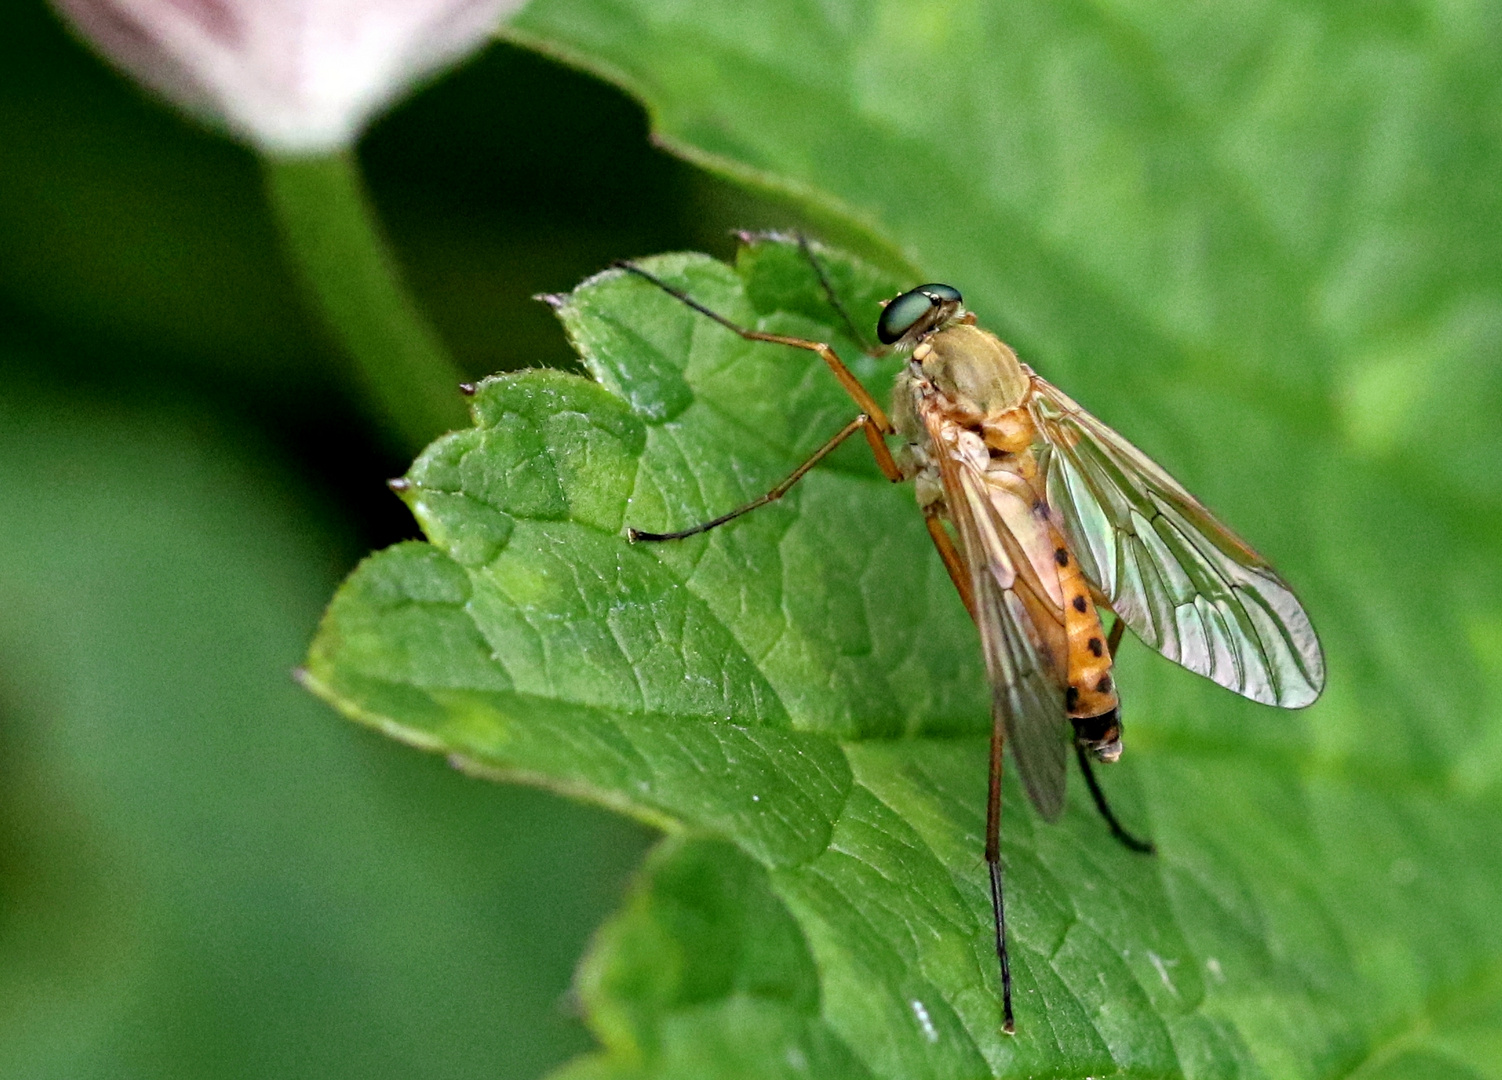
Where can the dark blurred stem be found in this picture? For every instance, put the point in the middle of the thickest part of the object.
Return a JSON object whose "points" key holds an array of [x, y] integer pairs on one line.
{"points": [[408, 377]]}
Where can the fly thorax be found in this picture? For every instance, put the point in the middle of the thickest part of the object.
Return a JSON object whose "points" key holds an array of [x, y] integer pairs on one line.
{"points": [[1008, 432], [904, 408], [1006, 440], [974, 369]]}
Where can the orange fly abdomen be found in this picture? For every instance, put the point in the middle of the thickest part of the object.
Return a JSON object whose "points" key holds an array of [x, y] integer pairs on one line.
{"points": [[1089, 689]]}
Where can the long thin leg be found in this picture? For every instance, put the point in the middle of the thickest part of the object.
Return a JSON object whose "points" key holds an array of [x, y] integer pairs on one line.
{"points": [[993, 864], [961, 578], [951, 556], [834, 300], [862, 397], [1145, 847], [860, 423]]}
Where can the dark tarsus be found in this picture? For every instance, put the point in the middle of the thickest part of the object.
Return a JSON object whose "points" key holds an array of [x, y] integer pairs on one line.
{"points": [[1145, 847]]}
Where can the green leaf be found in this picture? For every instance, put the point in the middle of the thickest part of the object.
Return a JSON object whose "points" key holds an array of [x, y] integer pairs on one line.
{"points": [[705, 971], [804, 688]]}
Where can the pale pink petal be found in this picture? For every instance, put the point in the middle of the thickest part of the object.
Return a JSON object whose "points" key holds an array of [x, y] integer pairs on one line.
{"points": [[294, 76]]}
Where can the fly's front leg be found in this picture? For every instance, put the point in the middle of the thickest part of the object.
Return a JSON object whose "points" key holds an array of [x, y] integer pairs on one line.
{"points": [[852, 386], [860, 423], [834, 300]]}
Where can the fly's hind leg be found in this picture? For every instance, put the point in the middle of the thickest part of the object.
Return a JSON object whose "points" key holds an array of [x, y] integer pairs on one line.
{"points": [[1082, 754], [1113, 639], [852, 386], [1143, 847]]}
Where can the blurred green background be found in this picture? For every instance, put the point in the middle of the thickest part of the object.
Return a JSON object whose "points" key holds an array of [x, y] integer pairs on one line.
{"points": [[203, 870]]}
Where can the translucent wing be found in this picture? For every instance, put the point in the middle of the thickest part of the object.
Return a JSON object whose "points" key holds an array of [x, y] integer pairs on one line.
{"points": [[1027, 696], [1184, 583]]}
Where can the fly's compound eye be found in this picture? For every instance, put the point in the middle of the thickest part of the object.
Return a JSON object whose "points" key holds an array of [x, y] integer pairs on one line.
{"points": [[911, 308]]}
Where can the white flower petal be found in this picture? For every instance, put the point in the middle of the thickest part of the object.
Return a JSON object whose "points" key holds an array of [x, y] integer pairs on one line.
{"points": [[295, 76]]}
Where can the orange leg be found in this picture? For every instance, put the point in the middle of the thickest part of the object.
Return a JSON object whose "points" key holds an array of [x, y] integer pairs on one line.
{"points": [[862, 397], [951, 557], [963, 585], [862, 423]]}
